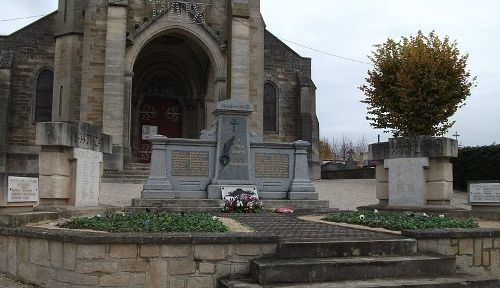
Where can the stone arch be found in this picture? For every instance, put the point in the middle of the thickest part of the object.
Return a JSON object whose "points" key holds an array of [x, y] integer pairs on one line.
{"points": [[194, 32]]}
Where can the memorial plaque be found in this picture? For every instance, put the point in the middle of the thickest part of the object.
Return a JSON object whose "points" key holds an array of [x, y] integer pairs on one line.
{"points": [[271, 165], [189, 163], [484, 192], [234, 157], [406, 181], [22, 189], [87, 177]]}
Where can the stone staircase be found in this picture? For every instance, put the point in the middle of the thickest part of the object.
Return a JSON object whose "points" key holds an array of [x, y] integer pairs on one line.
{"points": [[134, 173], [349, 264]]}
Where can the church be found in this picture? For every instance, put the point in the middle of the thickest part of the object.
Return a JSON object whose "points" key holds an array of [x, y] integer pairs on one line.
{"points": [[137, 68]]}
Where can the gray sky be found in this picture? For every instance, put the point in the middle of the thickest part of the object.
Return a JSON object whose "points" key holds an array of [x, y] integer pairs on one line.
{"points": [[350, 28]]}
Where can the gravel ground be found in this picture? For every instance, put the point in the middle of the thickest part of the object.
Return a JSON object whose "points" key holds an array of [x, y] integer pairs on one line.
{"points": [[7, 282]]}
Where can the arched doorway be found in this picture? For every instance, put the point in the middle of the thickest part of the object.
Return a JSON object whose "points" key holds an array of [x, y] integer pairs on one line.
{"points": [[169, 91]]}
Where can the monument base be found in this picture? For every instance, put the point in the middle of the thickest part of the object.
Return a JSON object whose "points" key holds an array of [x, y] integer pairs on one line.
{"points": [[486, 212]]}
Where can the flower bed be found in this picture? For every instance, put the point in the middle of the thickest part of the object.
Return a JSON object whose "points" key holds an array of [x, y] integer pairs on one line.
{"points": [[144, 221], [243, 203], [400, 221]]}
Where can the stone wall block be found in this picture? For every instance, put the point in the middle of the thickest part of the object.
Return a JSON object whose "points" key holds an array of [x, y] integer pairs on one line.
{"points": [[206, 268], [157, 275], [56, 254], [440, 190], [177, 283], [23, 249], [56, 186], [26, 270], [149, 250], [12, 256], [182, 266], [91, 251], [382, 190], [440, 169], [496, 242], [487, 243], [54, 163], [123, 251], [223, 270], [76, 278], [244, 249], [465, 247], [97, 267], [137, 279], [238, 269], [269, 249], [486, 259], [381, 174], [4, 244], [114, 280], [201, 282], [174, 251], [210, 252], [69, 256], [138, 265]]}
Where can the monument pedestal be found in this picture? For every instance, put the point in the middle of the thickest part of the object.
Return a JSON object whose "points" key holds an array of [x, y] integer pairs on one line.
{"points": [[71, 159], [414, 172], [228, 156]]}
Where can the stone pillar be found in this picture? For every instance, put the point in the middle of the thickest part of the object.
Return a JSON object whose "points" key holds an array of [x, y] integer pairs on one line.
{"points": [[309, 124], [414, 171], [301, 187], [158, 186], [70, 163], [233, 146], [114, 82], [240, 50], [4, 109]]}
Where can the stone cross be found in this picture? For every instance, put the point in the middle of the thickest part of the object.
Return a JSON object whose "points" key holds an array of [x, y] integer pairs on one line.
{"points": [[456, 135]]}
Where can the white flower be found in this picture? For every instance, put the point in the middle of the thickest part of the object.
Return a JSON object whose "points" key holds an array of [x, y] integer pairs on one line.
{"points": [[214, 218], [362, 217], [425, 214], [239, 204], [441, 216], [98, 216], [375, 211]]}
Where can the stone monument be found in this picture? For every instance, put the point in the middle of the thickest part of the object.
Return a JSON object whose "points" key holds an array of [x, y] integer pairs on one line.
{"points": [[70, 163], [484, 198], [414, 171], [228, 155]]}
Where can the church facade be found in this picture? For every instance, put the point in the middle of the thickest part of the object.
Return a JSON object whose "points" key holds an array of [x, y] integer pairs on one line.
{"points": [[135, 68]]}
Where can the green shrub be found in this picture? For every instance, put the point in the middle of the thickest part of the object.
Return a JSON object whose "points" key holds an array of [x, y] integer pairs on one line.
{"points": [[400, 221], [148, 222], [476, 163]]}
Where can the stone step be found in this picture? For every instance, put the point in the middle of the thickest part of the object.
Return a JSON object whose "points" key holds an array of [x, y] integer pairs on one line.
{"points": [[458, 281], [275, 270], [170, 203], [128, 172], [319, 249], [177, 209]]}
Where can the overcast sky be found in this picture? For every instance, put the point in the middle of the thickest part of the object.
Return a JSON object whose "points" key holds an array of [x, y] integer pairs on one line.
{"points": [[350, 28]]}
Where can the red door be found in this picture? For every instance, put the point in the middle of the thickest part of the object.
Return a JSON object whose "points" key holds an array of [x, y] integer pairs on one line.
{"points": [[158, 117]]}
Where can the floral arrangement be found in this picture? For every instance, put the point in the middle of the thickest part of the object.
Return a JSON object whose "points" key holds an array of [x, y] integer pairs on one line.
{"points": [[243, 203]]}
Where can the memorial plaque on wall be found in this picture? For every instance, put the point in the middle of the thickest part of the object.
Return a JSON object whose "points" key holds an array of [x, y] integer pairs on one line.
{"points": [[271, 165], [484, 192], [87, 177], [189, 163], [22, 189]]}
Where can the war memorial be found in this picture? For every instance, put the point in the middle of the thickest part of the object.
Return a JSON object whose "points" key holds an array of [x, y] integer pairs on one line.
{"points": [[176, 107]]}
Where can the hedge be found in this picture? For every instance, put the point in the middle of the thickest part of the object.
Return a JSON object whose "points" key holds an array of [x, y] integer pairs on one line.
{"points": [[476, 163]]}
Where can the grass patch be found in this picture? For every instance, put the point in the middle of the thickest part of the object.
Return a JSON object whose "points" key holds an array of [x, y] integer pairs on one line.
{"points": [[400, 221], [148, 222]]}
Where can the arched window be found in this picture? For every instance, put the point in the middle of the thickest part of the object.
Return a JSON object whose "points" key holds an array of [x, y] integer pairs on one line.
{"points": [[43, 108], [270, 108]]}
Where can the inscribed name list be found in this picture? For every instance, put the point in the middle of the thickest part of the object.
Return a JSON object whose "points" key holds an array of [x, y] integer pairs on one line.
{"points": [[484, 192], [189, 163], [271, 165], [22, 189]]}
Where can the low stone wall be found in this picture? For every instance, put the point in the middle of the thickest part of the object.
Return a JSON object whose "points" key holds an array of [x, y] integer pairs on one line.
{"points": [[477, 251], [58, 258]]}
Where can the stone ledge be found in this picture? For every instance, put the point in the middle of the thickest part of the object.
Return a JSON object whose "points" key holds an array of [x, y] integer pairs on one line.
{"points": [[89, 237], [452, 233]]}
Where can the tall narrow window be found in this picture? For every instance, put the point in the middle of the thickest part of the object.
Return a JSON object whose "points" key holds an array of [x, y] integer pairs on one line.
{"points": [[270, 108], [43, 110]]}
